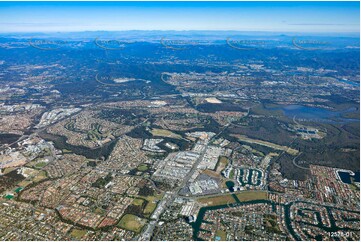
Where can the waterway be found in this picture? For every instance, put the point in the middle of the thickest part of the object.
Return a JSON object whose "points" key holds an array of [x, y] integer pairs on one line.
{"points": [[197, 224], [314, 113], [346, 177], [256, 173]]}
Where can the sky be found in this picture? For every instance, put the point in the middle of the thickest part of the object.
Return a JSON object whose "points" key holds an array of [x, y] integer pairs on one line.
{"points": [[319, 17]]}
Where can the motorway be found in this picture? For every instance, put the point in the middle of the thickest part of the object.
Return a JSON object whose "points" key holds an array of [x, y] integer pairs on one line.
{"points": [[148, 231]]}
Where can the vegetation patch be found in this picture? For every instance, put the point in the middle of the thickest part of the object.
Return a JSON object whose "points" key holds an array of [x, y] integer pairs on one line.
{"points": [[40, 176], [220, 235], [132, 223], [102, 181], [266, 143], [78, 233], [217, 200], [40, 164], [138, 202], [165, 133], [270, 224], [245, 196], [142, 167]]}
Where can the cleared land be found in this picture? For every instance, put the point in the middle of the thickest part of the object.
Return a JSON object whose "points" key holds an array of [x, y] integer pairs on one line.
{"points": [[222, 234], [78, 233], [218, 200], [165, 133], [213, 100], [266, 143], [222, 163], [245, 196]]}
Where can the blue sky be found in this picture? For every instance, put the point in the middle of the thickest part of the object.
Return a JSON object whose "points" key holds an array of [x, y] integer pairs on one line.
{"points": [[242, 16]]}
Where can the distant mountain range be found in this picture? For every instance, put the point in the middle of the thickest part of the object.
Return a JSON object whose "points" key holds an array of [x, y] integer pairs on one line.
{"points": [[147, 35]]}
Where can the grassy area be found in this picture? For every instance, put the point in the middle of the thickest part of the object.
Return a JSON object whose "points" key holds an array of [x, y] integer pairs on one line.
{"points": [[222, 163], [40, 164], [217, 200], [94, 134], [99, 211], [142, 167], [66, 151], [24, 183], [353, 187], [40, 176], [231, 174], [77, 233], [211, 173], [9, 169], [138, 202], [257, 152], [165, 133], [270, 224], [132, 223], [266, 143], [151, 205], [148, 210], [221, 234], [245, 196]]}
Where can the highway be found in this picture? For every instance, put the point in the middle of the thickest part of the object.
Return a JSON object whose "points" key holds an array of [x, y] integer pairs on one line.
{"points": [[148, 231]]}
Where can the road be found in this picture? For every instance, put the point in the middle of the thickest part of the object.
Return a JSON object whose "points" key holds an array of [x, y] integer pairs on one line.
{"points": [[37, 131], [148, 231], [295, 163]]}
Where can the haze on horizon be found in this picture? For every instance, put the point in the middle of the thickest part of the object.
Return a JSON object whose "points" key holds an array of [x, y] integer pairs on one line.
{"points": [[311, 17]]}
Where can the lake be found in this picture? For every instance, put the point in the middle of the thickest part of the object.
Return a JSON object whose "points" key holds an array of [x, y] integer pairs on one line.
{"points": [[313, 113], [346, 177]]}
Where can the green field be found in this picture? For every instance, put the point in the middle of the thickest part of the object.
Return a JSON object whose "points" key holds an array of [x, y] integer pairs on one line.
{"points": [[138, 202], [217, 200], [245, 196], [132, 223], [266, 143], [151, 204], [165, 133], [148, 210], [142, 167], [221, 234], [40, 164], [78, 233], [95, 133]]}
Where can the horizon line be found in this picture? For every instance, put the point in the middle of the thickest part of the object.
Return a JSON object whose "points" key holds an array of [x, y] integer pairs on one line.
{"points": [[184, 30]]}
